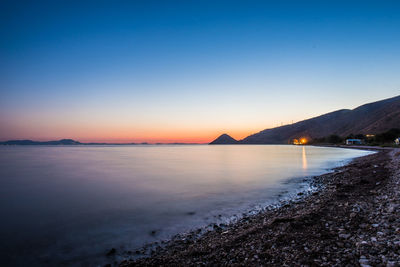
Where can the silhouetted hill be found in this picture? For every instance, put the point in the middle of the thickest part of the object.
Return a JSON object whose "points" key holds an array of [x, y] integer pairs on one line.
{"points": [[372, 118], [30, 142], [224, 139]]}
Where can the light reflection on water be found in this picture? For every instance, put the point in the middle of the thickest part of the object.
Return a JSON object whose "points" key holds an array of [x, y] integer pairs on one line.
{"points": [[72, 204], [304, 158]]}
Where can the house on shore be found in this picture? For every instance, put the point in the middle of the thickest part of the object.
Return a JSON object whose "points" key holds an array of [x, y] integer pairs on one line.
{"points": [[354, 142], [397, 141]]}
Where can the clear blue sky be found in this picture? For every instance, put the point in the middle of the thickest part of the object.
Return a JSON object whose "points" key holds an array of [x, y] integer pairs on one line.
{"points": [[189, 70]]}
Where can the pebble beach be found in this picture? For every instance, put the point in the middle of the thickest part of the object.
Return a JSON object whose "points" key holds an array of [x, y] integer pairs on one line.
{"points": [[352, 220]]}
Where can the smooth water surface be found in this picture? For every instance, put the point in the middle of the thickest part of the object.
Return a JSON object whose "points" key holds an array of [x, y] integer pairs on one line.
{"points": [[69, 205]]}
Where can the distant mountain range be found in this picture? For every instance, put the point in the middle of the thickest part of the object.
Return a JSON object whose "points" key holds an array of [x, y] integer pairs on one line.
{"points": [[69, 142], [30, 142], [372, 118]]}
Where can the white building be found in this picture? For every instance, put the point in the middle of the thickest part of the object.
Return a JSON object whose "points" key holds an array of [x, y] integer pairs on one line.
{"points": [[397, 141], [354, 142]]}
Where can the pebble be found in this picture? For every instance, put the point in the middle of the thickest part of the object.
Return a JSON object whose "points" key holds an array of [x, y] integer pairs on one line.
{"points": [[344, 236]]}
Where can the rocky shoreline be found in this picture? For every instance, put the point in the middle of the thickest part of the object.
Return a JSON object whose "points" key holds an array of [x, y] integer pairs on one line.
{"points": [[352, 221]]}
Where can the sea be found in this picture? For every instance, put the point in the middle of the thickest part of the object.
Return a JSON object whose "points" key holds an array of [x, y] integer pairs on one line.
{"points": [[70, 205]]}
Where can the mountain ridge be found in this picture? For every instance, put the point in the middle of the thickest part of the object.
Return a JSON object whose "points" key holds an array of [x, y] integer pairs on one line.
{"points": [[370, 118]]}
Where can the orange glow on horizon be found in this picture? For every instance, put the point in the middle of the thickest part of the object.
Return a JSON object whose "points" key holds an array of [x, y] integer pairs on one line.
{"points": [[129, 136], [119, 131], [171, 137]]}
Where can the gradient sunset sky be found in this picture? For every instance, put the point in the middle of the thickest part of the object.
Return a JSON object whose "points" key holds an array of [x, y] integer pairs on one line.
{"points": [[187, 71]]}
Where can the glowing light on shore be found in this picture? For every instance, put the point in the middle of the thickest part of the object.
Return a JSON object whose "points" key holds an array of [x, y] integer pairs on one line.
{"points": [[301, 141]]}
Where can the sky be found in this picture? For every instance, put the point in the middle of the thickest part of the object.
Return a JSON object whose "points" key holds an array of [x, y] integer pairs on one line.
{"points": [[188, 71]]}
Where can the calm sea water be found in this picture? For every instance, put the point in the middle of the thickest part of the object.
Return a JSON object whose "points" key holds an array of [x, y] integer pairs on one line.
{"points": [[68, 205]]}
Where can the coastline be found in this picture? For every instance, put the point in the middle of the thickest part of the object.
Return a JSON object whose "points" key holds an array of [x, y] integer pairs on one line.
{"points": [[332, 226]]}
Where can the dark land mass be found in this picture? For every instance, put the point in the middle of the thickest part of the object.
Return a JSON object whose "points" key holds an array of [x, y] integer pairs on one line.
{"points": [[351, 221], [372, 118], [224, 139], [30, 142], [68, 142]]}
